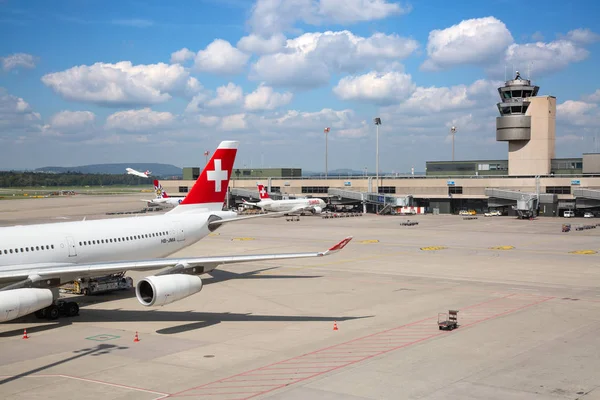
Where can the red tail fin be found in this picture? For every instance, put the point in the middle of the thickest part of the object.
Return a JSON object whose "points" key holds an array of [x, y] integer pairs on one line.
{"points": [[211, 187], [262, 192]]}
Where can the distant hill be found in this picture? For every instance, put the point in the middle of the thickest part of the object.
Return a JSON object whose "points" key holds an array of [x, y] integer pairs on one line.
{"points": [[115, 169]]}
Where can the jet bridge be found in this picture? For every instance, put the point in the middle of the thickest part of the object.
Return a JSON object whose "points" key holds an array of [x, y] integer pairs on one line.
{"points": [[525, 204], [386, 200], [586, 198]]}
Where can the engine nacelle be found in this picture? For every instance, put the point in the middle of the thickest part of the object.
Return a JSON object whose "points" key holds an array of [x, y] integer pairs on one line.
{"points": [[165, 289], [19, 302], [317, 210]]}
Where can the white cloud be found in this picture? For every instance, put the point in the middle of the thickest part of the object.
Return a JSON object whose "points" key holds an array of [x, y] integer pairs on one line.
{"points": [[181, 56], [122, 84], [139, 120], [227, 96], [308, 60], [594, 97], [265, 98], [375, 87], [537, 36], [18, 60], [545, 57], [487, 42], [472, 41], [578, 113], [234, 122], [261, 45], [72, 119], [16, 116], [275, 16], [220, 57], [582, 36], [427, 100]]}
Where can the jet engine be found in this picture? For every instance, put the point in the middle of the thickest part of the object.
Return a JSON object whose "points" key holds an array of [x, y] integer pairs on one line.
{"points": [[317, 210], [165, 289], [16, 303]]}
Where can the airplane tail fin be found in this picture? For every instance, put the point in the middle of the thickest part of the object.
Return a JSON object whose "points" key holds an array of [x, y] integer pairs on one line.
{"points": [[210, 188], [262, 192], [160, 192]]}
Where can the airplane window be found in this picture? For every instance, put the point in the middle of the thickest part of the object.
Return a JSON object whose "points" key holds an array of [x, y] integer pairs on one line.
{"points": [[52, 246], [11, 250], [5, 252], [16, 250], [37, 248], [80, 243], [26, 248], [22, 250]]}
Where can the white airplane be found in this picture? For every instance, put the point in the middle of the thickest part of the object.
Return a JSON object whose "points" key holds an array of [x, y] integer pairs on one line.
{"points": [[132, 171], [36, 259], [288, 206], [162, 199]]}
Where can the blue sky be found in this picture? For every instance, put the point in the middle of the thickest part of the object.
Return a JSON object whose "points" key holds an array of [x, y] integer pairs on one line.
{"points": [[91, 81]]}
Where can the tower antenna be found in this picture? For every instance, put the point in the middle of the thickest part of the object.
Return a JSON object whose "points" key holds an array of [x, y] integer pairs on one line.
{"points": [[504, 72]]}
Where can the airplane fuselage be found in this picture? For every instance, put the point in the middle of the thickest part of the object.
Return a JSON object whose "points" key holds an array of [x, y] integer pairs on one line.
{"points": [[288, 205], [100, 240]]}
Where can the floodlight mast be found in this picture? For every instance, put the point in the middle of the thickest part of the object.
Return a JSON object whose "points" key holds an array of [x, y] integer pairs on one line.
{"points": [[377, 121]]}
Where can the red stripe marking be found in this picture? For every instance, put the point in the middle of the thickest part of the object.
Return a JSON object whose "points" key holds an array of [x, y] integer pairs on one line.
{"points": [[325, 355]]}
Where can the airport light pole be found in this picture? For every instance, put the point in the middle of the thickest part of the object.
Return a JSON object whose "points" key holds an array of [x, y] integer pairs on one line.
{"points": [[326, 130], [377, 123], [453, 132]]}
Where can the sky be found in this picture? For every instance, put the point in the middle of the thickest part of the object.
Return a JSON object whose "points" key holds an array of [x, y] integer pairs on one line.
{"points": [[90, 81]]}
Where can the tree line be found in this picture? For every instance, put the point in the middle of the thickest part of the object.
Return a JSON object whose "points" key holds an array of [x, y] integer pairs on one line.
{"points": [[38, 179]]}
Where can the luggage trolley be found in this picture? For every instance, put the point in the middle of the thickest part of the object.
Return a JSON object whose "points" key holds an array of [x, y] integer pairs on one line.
{"points": [[448, 322]]}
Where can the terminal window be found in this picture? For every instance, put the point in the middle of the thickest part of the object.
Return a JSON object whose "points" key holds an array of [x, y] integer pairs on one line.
{"points": [[455, 190], [275, 189], [314, 189], [558, 189], [387, 189], [183, 189]]}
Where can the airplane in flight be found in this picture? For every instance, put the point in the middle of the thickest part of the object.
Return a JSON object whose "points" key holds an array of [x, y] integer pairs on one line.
{"points": [[288, 206], [163, 200], [36, 259], [132, 171]]}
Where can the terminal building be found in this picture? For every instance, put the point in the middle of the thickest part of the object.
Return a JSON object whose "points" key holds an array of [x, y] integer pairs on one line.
{"points": [[531, 181]]}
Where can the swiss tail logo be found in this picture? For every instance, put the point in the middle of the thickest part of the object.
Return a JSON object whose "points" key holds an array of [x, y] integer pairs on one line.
{"points": [[262, 192], [211, 187]]}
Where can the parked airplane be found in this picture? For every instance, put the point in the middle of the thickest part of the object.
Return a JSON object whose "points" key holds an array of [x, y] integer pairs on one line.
{"points": [[132, 171], [288, 206], [36, 259], [162, 198]]}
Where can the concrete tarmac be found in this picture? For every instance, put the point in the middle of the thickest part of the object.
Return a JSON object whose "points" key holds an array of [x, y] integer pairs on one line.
{"points": [[527, 294]]}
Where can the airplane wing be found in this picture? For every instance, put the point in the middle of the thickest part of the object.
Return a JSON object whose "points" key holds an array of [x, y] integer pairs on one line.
{"points": [[25, 276]]}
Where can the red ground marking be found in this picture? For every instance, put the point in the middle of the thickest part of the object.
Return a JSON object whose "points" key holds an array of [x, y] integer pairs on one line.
{"points": [[360, 349]]}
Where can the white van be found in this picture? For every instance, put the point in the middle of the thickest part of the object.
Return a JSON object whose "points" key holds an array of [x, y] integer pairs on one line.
{"points": [[569, 214]]}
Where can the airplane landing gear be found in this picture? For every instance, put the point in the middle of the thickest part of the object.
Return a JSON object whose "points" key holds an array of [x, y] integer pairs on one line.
{"points": [[53, 312]]}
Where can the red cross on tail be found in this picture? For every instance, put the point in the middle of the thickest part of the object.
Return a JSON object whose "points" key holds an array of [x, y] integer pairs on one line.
{"points": [[210, 189]]}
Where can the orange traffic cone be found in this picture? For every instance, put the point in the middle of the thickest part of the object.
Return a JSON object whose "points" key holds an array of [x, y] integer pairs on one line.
{"points": [[25, 334], [335, 328], [136, 339]]}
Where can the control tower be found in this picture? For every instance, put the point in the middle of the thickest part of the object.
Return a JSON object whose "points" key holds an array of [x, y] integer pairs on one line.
{"points": [[528, 123]]}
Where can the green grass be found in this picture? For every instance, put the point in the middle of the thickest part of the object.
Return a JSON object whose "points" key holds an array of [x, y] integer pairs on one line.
{"points": [[29, 192]]}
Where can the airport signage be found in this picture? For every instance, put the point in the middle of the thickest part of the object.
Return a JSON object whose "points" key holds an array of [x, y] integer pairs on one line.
{"points": [[450, 183], [575, 182], [347, 183]]}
